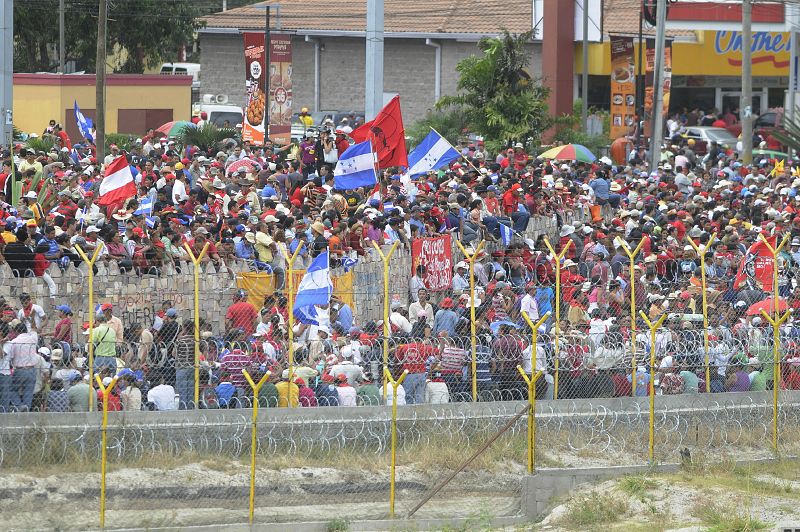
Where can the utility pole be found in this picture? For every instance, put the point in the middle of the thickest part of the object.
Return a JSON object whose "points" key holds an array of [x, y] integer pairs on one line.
{"points": [[100, 82], [790, 105], [373, 98], [224, 5], [7, 70], [746, 105], [61, 52], [657, 118], [585, 75]]}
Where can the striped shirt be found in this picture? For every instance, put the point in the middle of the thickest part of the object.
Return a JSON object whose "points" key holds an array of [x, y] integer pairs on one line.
{"points": [[234, 362]]}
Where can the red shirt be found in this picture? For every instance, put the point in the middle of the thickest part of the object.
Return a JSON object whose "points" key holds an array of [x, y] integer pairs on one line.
{"points": [[510, 202], [413, 356], [243, 315], [40, 264]]}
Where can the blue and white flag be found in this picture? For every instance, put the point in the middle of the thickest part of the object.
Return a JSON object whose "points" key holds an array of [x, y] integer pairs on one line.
{"points": [[315, 289], [431, 154], [145, 206], [356, 167], [75, 157], [348, 263], [84, 124], [151, 221], [505, 234]]}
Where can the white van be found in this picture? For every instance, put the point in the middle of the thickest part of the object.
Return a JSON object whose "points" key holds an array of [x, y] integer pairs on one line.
{"points": [[218, 110], [183, 69]]}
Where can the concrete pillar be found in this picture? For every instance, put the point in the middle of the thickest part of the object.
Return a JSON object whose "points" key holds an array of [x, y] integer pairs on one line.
{"points": [[558, 54]]}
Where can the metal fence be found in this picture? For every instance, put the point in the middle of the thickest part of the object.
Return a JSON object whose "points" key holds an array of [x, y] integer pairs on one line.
{"points": [[333, 464]]}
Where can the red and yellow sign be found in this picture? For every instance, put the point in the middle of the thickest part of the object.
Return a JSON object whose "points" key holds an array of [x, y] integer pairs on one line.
{"points": [[623, 86], [719, 53]]}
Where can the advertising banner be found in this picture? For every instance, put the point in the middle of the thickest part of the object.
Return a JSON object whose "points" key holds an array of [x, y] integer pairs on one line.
{"points": [[623, 86], [280, 88], [650, 65], [255, 60], [436, 255]]}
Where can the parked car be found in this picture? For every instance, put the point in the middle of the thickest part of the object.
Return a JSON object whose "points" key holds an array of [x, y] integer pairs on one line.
{"points": [[703, 135], [764, 125]]}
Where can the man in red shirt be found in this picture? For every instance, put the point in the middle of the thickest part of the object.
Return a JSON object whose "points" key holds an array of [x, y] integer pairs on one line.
{"points": [[241, 314], [511, 208], [413, 357]]}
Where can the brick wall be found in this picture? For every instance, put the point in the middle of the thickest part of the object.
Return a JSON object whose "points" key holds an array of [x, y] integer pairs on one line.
{"points": [[409, 69]]}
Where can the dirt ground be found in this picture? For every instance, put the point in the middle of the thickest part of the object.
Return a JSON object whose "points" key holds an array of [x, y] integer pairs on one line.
{"points": [[723, 497]]}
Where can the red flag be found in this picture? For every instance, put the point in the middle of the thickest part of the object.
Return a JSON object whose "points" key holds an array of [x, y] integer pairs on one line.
{"points": [[387, 135], [118, 184], [757, 265]]}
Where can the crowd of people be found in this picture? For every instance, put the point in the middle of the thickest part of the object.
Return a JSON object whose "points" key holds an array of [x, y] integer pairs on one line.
{"points": [[258, 204]]}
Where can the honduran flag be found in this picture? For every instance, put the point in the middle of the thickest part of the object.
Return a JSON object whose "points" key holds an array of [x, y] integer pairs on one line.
{"points": [[118, 184], [315, 290]]}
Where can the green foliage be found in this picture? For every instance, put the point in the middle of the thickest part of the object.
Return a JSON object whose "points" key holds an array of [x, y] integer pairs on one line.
{"points": [[497, 96], [594, 509], [720, 518], [208, 136], [145, 32], [44, 143], [451, 125], [790, 136], [123, 140], [338, 525], [568, 130], [637, 486]]}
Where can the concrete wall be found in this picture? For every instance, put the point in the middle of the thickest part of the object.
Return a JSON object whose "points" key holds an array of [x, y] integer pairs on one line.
{"points": [[409, 70]]}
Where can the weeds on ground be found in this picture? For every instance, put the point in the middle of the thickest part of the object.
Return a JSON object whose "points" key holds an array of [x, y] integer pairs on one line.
{"points": [[338, 525], [594, 509], [721, 518], [479, 521], [637, 485]]}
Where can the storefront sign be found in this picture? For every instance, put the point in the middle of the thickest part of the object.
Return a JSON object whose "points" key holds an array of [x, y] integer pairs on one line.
{"points": [[623, 86], [436, 255], [719, 53]]}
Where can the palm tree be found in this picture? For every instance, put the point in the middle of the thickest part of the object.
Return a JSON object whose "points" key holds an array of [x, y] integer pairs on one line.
{"points": [[208, 137]]}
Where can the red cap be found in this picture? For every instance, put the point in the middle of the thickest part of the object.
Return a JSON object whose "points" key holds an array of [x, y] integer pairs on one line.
{"points": [[446, 303], [158, 244], [138, 231], [89, 194], [186, 161], [697, 184], [516, 186], [106, 306]]}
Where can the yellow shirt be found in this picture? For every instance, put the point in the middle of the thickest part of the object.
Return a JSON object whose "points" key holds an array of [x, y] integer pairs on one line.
{"points": [[283, 394], [8, 237], [307, 120]]}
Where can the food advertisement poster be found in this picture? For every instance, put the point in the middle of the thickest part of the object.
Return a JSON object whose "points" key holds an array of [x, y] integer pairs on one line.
{"points": [[650, 62], [623, 86], [280, 88], [255, 60]]}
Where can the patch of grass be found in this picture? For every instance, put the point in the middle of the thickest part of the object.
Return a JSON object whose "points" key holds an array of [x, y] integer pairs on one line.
{"points": [[594, 509], [721, 518], [637, 485], [482, 520], [338, 525]]}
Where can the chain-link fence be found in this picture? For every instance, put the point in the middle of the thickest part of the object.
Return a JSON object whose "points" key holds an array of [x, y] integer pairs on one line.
{"points": [[182, 469]]}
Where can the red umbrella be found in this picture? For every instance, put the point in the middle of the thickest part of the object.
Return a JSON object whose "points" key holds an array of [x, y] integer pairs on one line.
{"points": [[768, 306], [246, 163]]}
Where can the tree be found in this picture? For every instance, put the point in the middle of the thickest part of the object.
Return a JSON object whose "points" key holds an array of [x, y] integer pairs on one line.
{"points": [[497, 96], [451, 125], [142, 33]]}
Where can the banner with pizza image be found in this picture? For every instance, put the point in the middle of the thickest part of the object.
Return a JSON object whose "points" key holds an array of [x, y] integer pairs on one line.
{"points": [[280, 89], [255, 59]]}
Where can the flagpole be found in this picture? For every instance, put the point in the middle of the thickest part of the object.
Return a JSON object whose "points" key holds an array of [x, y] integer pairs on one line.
{"points": [[465, 158]]}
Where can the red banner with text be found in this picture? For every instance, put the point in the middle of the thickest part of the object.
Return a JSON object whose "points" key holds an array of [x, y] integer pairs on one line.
{"points": [[436, 254]]}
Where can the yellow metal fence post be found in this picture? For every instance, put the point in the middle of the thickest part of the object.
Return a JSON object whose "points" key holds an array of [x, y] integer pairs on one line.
{"points": [[196, 261], [531, 382], [90, 262], [702, 254], [395, 383], [557, 257], [103, 438], [473, 335], [385, 258], [256, 387], [290, 303], [653, 327], [776, 368], [632, 256]]}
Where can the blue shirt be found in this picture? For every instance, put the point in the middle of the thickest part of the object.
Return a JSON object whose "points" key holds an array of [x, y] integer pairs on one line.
{"points": [[225, 392], [268, 191], [345, 317], [53, 246], [445, 320], [601, 188], [244, 250]]}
